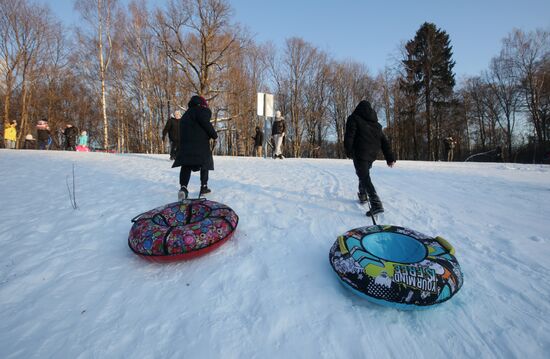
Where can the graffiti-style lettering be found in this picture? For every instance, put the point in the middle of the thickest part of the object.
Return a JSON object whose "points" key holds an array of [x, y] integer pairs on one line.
{"points": [[423, 278]]}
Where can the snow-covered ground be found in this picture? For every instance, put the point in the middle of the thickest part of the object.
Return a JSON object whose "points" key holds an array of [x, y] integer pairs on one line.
{"points": [[71, 288]]}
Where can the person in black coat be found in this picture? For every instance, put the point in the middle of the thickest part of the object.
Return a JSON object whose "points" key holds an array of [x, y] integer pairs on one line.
{"points": [[362, 141], [43, 135], [194, 151], [171, 129], [258, 142], [70, 133]]}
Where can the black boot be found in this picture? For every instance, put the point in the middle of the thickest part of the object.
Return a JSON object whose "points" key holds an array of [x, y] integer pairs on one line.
{"points": [[183, 193], [375, 205], [375, 211], [205, 189], [362, 197]]}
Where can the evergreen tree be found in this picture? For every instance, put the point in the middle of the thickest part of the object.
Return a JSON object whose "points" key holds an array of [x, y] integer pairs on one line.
{"points": [[429, 76]]}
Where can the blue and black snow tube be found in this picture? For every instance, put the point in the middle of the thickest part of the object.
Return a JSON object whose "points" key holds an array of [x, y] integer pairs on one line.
{"points": [[396, 266]]}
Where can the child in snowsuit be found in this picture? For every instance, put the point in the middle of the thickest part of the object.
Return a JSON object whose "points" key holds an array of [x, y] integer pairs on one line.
{"points": [[30, 143], [362, 141]]}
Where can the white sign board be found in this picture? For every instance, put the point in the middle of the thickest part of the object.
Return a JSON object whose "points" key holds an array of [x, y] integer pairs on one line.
{"points": [[265, 102], [260, 104], [268, 105]]}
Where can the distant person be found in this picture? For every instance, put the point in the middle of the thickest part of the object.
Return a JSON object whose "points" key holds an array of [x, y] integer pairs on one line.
{"points": [[82, 142], [278, 132], [258, 142], [10, 134], [70, 132], [449, 143], [363, 140], [172, 130], [30, 143], [43, 134], [194, 150]]}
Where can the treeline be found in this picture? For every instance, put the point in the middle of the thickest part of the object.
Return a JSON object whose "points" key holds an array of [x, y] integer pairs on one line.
{"points": [[122, 71]]}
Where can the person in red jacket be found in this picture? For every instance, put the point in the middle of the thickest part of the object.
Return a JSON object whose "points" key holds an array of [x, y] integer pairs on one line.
{"points": [[363, 140]]}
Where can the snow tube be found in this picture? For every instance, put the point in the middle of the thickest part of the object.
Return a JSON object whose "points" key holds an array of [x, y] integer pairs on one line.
{"points": [[81, 148], [396, 266], [182, 230]]}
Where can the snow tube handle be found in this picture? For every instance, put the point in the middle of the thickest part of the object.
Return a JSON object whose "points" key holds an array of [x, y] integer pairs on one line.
{"points": [[137, 217], [445, 244]]}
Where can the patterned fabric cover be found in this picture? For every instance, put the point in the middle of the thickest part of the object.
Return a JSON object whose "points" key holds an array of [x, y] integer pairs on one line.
{"points": [[432, 279], [181, 228]]}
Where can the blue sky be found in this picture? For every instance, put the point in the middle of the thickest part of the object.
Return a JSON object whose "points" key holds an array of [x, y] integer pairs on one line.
{"points": [[370, 32]]}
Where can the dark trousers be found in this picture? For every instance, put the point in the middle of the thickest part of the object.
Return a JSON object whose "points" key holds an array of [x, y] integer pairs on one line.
{"points": [[185, 176], [173, 149], [362, 169]]}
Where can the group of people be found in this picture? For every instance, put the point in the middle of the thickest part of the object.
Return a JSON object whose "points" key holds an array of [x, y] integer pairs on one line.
{"points": [[191, 137], [278, 133], [72, 139]]}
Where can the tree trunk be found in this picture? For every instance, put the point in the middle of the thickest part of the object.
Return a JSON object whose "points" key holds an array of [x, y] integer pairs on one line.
{"points": [[102, 76]]}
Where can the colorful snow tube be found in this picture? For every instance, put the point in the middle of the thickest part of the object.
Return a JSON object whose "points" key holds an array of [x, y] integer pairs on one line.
{"points": [[396, 266], [182, 230]]}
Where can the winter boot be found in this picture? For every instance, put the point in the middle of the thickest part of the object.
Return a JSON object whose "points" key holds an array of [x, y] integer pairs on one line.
{"points": [[375, 211], [204, 189], [375, 205], [183, 193], [362, 197]]}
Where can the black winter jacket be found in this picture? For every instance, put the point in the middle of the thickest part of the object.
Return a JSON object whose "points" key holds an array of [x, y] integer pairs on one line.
{"points": [[258, 139], [194, 139], [279, 127], [364, 137], [171, 129], [70, 135]]}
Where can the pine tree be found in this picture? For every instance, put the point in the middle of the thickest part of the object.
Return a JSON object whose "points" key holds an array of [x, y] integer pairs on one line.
{"points": [[429, 74]]}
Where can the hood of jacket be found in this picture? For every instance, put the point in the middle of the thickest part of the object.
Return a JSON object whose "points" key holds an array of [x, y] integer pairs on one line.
{"points": [[365, 111]]}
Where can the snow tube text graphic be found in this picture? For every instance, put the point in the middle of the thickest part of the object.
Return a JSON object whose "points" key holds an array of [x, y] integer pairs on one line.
{"points": [[396, 266], [182, 230]]}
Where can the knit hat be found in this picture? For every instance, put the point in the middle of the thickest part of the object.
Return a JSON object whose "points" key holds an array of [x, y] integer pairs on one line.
{"points": [[29, 137], [197, 101]]}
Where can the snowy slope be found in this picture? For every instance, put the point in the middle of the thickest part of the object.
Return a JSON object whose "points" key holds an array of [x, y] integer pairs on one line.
{"points": [[71, 288]]}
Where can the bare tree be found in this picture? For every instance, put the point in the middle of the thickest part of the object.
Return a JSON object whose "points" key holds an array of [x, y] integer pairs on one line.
{"points": [[528, 53], [504, 85], [197, 35], [99, 15]]}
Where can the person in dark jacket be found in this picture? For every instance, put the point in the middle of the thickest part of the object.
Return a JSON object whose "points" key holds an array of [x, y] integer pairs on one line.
{"points": [[194, 151], [172, 130], [30, 143], [278, 131], [362, 141], [70, 133], [43, 135], [258, 142]]}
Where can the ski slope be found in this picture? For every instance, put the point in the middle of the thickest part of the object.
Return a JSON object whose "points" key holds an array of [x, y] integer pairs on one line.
{"points": [[71, 288]]}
